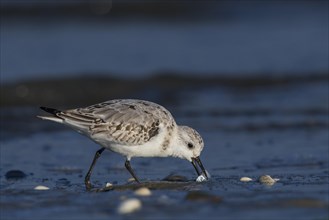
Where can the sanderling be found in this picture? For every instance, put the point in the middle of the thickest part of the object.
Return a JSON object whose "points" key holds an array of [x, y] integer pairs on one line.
{"points": [[132, 128]]}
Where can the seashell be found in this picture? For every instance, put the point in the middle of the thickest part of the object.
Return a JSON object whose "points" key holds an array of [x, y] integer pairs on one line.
{"points": [[245, 179], [108, 185], [267, 180], [129, 206], [143, 192], [41, 187], [131, 179], [201, 178]]}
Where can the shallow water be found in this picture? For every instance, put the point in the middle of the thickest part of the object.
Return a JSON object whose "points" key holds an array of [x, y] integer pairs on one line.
{"points": [[279, 130]]}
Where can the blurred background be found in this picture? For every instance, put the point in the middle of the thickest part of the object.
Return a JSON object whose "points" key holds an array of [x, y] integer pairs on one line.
{"points": [[250, 76], [137, 40]]}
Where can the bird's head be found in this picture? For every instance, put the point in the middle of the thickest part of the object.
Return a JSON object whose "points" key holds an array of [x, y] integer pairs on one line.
{"points": [[190, 145]]}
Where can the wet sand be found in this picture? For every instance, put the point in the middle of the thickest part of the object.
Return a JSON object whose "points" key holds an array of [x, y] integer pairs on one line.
{"points": [[277, 127]]}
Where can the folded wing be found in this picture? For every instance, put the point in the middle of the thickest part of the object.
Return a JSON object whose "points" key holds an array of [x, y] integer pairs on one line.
{"points": [[128, 122]]}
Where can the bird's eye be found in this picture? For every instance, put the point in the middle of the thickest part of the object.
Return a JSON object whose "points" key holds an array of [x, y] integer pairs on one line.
{"points": [[190, 145]]}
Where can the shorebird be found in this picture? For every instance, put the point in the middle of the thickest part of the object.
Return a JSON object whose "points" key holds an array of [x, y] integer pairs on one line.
{"points": [[132, 128]]}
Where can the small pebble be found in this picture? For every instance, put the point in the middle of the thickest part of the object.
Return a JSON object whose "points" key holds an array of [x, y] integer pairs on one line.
{"points": [[143, 192], [15, 175], [129, 206], [267, 180], [245, 179], [201, 178], [41, 188]]}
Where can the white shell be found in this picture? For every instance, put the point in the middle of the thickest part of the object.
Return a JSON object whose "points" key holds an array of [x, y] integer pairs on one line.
{"points": [[108, 185], [245, 179], [143, 192], [41, 188], [131, 179], [267, 180], [201, 178], [129, 206]]}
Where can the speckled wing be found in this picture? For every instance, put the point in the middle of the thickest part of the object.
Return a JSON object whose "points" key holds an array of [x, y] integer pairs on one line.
{"points": [[127, 122]]}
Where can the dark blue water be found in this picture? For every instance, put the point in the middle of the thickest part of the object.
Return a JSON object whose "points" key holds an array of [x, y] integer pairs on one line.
{"points": [[278, 130]]}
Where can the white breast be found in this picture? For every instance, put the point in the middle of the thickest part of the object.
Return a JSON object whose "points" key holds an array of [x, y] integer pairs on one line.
{"points": [[152, 148]]}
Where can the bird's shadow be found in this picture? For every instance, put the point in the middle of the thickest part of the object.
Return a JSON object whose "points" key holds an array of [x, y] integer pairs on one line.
{"points": [[172, 181], [153, 185]]}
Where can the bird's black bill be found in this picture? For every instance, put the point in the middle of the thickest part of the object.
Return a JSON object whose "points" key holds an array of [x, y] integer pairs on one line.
{"points": [[195, 161], [195, 167]]}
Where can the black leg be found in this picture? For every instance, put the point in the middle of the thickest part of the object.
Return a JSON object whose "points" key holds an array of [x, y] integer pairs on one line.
{"points": [[127, 165], [87, 178]]}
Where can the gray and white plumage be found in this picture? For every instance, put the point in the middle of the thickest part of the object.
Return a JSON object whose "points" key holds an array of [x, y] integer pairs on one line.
{"points": [[132, 128]]}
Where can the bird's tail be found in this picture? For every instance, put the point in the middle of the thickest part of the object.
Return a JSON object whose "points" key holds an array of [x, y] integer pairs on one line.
{"points": [[56, 115]]}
